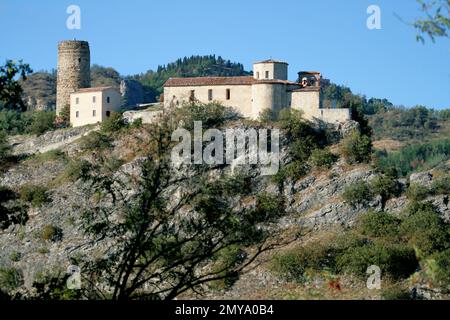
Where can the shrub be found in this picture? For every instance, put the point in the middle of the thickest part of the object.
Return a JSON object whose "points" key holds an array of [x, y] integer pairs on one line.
{"points": [[396, 261], [441, 185], [15, 256], [4, 147], [35, 195], [386, 186], [357, 148], [10, 278], [294, 264], [426, 231], [396, 293], [322, 158], [442, 271], [211, 115], [358, 193], [417, 192], [96, 141], [112, 124], [378, 224], [77, 170], [42, 121], [268, 115], [50, 156], [51, 233]]}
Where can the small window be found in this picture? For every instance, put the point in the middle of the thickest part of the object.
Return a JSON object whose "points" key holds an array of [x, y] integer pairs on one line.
{"points": [[267, 74], [93, 99], [210, 94], [77, 114], [107, 99], [77, 100], [228, 94], [108, 113], [94, 113], [257, 75]]}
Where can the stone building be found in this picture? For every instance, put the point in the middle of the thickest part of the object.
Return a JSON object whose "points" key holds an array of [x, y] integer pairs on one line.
{"points": [[268, 88], [93, 105], [74, 70]]}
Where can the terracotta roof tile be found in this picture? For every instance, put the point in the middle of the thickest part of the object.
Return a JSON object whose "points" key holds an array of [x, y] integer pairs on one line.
{"points": [[94, 89], [208, 81]]}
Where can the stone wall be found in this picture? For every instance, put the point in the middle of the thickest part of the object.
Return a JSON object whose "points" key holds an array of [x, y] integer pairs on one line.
{"points": [[74, 65]]}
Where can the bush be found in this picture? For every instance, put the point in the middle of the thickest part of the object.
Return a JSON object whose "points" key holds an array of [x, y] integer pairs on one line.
{"points": [[78, 170], [378, 224], [396, 261], [358, 193], [15, 256], [417, 192], [212, 115], [441, 185], [4, 148], [442, 271], [396, 293], [113, 124], [96, 141], [357, 148], [10, 278], [426, 231], [42, 121], [386, 186], [51, 233], [294, 265], [35, 195], [322, 158], [268, 115]]}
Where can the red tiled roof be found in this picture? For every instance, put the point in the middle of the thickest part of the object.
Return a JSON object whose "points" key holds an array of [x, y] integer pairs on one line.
{"points": [[217, 81], [208, 81]]}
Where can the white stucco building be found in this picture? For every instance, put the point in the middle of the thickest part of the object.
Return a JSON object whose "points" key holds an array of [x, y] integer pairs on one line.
{"points": [[93, 105], [269, 87]]}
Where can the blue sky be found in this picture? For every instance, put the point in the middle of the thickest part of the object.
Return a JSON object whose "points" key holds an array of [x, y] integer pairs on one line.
{"points": [[324, 35]]}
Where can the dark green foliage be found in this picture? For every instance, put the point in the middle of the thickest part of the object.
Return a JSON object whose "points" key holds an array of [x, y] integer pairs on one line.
{"points": [[35, 195], [15, 122], [442, 270], [417, 192], [386, 186], [268, 115], [211, 115], [396, 293], [441, 185], [10, 278], [322, 158], [42, 121], [417, 157], [10, 89], [357, 148], [4, 148], [396, 261], [358, 193], [425, 230], [379, 224], [78, 169], [10, 214], [113, 124], [96, 141], [435, 22], [51, 233], [194, 66]]}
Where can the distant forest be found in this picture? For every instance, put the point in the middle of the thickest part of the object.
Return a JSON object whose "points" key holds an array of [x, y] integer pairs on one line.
{"points": [[194, 66]]}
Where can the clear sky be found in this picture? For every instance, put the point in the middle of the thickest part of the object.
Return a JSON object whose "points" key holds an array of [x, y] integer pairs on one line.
{"points": [[330, 36]]}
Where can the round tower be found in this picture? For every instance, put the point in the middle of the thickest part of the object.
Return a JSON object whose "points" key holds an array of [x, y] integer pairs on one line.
{"points": [[74, 70]]}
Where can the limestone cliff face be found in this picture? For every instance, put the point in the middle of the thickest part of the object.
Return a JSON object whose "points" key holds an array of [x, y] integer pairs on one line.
{"points": [[313, 202]]}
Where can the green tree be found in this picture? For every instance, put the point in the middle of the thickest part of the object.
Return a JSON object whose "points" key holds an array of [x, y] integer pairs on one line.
{"points": [[10, 89], [436, 21], [357, 148]]}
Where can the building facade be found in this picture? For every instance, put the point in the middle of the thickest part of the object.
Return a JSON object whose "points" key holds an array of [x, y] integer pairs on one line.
{"points": [[93, 105], [268, 88]]}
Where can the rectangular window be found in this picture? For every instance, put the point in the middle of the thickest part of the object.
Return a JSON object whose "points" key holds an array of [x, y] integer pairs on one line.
{"points": [[77, 100], [94, 113], [107, 99], [77, 114], [210, 94], [108, 113], [228, 94], [257, 75], [93, 99], [267, 74]]}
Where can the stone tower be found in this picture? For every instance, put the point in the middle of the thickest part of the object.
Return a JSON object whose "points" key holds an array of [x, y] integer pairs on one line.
{"points": [[74, 68]]}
